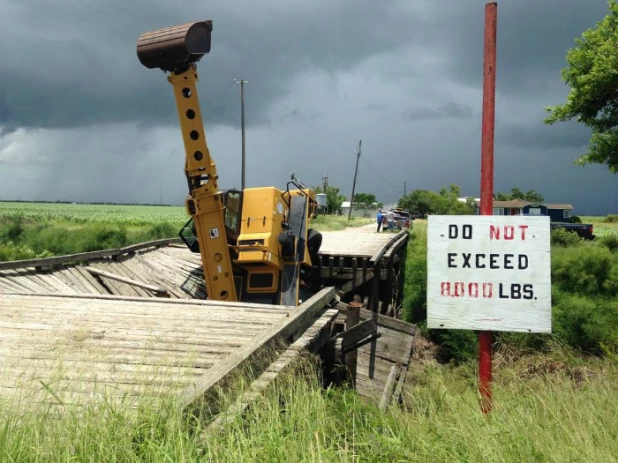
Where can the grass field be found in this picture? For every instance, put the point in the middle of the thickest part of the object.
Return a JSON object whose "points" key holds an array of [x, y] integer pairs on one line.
{"points": [[601, 226], [30, 230], [544, 410]]}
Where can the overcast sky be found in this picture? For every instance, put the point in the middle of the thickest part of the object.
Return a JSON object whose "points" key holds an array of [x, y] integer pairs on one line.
{"points": [[82, 120]]}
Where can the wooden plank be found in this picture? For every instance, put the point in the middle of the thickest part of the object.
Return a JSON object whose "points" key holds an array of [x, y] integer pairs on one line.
{"points": [[10, 286], [312, 340], [178, 302], [76, 282], [297, 320], [357, 333], [21, 280], [352, 318], [84, 256], [81, 342], [163, 273], [116, 267], [58, 283], [396, 246], [389, 322], [361, 278], [378, 255], [97, 288], [150, 275], [388, 388], [155, 289]]}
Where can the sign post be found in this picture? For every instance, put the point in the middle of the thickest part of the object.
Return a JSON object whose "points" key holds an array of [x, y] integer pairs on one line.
{"points": [[489, 273], [487, 178]]}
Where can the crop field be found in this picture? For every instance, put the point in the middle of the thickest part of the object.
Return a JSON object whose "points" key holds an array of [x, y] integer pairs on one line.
{"points": [[33, 230], [84, 213], [602, 226]]}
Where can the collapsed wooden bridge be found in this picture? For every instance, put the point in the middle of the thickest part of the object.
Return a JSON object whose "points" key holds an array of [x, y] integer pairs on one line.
{"points": [[135, 322]]}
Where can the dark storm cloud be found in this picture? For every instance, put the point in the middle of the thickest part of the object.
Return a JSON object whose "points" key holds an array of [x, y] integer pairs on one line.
{"points": [[540, 136], [73, 63], [448, 111], [532, 39]]}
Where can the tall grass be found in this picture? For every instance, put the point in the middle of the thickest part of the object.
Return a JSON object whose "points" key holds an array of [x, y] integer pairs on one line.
{"points": [[338, 222], [25, 239], [543, 411]]}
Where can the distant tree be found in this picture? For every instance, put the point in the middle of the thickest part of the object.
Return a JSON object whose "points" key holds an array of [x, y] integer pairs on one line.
{"points": [[444, 202], [530, 196], [333, 198], [592, 74], [420, 201], [534, 197]]}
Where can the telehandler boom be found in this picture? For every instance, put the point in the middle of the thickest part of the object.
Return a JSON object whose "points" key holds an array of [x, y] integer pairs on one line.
{"points": [[255, 245]]}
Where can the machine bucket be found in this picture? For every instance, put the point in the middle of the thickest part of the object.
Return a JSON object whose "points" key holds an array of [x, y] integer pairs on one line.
{"points": [[174, 48]]}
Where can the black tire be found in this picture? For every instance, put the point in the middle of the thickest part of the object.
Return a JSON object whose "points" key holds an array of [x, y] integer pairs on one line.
{"points": [[314, 241]]}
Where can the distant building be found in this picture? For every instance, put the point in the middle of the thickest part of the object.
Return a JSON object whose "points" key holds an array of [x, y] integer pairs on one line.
{"points": [[358, 211], [556, 212]]}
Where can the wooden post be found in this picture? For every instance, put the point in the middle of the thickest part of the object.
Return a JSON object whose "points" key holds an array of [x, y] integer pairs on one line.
{"points": [[487, 179], [352, 319]]}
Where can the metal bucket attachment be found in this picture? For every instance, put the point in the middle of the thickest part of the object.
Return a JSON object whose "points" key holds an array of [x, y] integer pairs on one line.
{"points": [[174, 48]]}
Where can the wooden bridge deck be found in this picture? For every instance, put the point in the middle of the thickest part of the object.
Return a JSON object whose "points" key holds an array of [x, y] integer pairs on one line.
{"points": [[75, 349], [162, 268], [359, 243], [134, 322], [171, 268]]}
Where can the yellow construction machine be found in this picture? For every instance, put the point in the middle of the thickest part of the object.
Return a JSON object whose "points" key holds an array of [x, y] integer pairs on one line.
{"points": [[256, 244]]}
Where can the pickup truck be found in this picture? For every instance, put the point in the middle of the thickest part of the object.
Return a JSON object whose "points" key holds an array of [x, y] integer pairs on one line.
{"points": [[583, 230]]}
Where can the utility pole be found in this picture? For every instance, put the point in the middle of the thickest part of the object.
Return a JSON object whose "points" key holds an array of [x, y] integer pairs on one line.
{"points": [[355, 173], [325, 182], [404, 189], [242, 125]]}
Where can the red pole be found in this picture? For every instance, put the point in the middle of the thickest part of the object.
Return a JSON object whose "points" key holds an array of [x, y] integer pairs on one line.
{"points": [[487, 179]]}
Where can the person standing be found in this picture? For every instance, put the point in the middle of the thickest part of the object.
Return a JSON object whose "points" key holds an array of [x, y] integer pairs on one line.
{"points": [[390, 220], [380, 219]]}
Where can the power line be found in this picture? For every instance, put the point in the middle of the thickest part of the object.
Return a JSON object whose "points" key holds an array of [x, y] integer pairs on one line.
{"points": [[296, 114], [375, 172]]}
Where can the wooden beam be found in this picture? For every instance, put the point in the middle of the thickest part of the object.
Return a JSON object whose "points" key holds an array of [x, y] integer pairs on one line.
{"points": [[83, 256], [357, 333], [158, 290], [374, 260], [395, 247], [360, 279], [298, 320], [352, 318], [388, 322], [389, 387], [311, 341]]}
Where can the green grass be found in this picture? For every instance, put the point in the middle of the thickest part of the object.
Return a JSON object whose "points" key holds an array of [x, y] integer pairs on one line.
{"points": [[100, 213], [32, 230], [601, 226], [544, 410], [339, 222]]}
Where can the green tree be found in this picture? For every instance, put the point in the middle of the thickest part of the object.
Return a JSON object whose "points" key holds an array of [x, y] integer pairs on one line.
{"points": [[365, 201], [444, 202], [530, 195], [420, 201], [534, 197], [592, 74], [333, 198]]}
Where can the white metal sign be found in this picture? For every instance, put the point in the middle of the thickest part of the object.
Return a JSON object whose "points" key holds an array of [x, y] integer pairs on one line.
{"points": [[489, 273]]}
